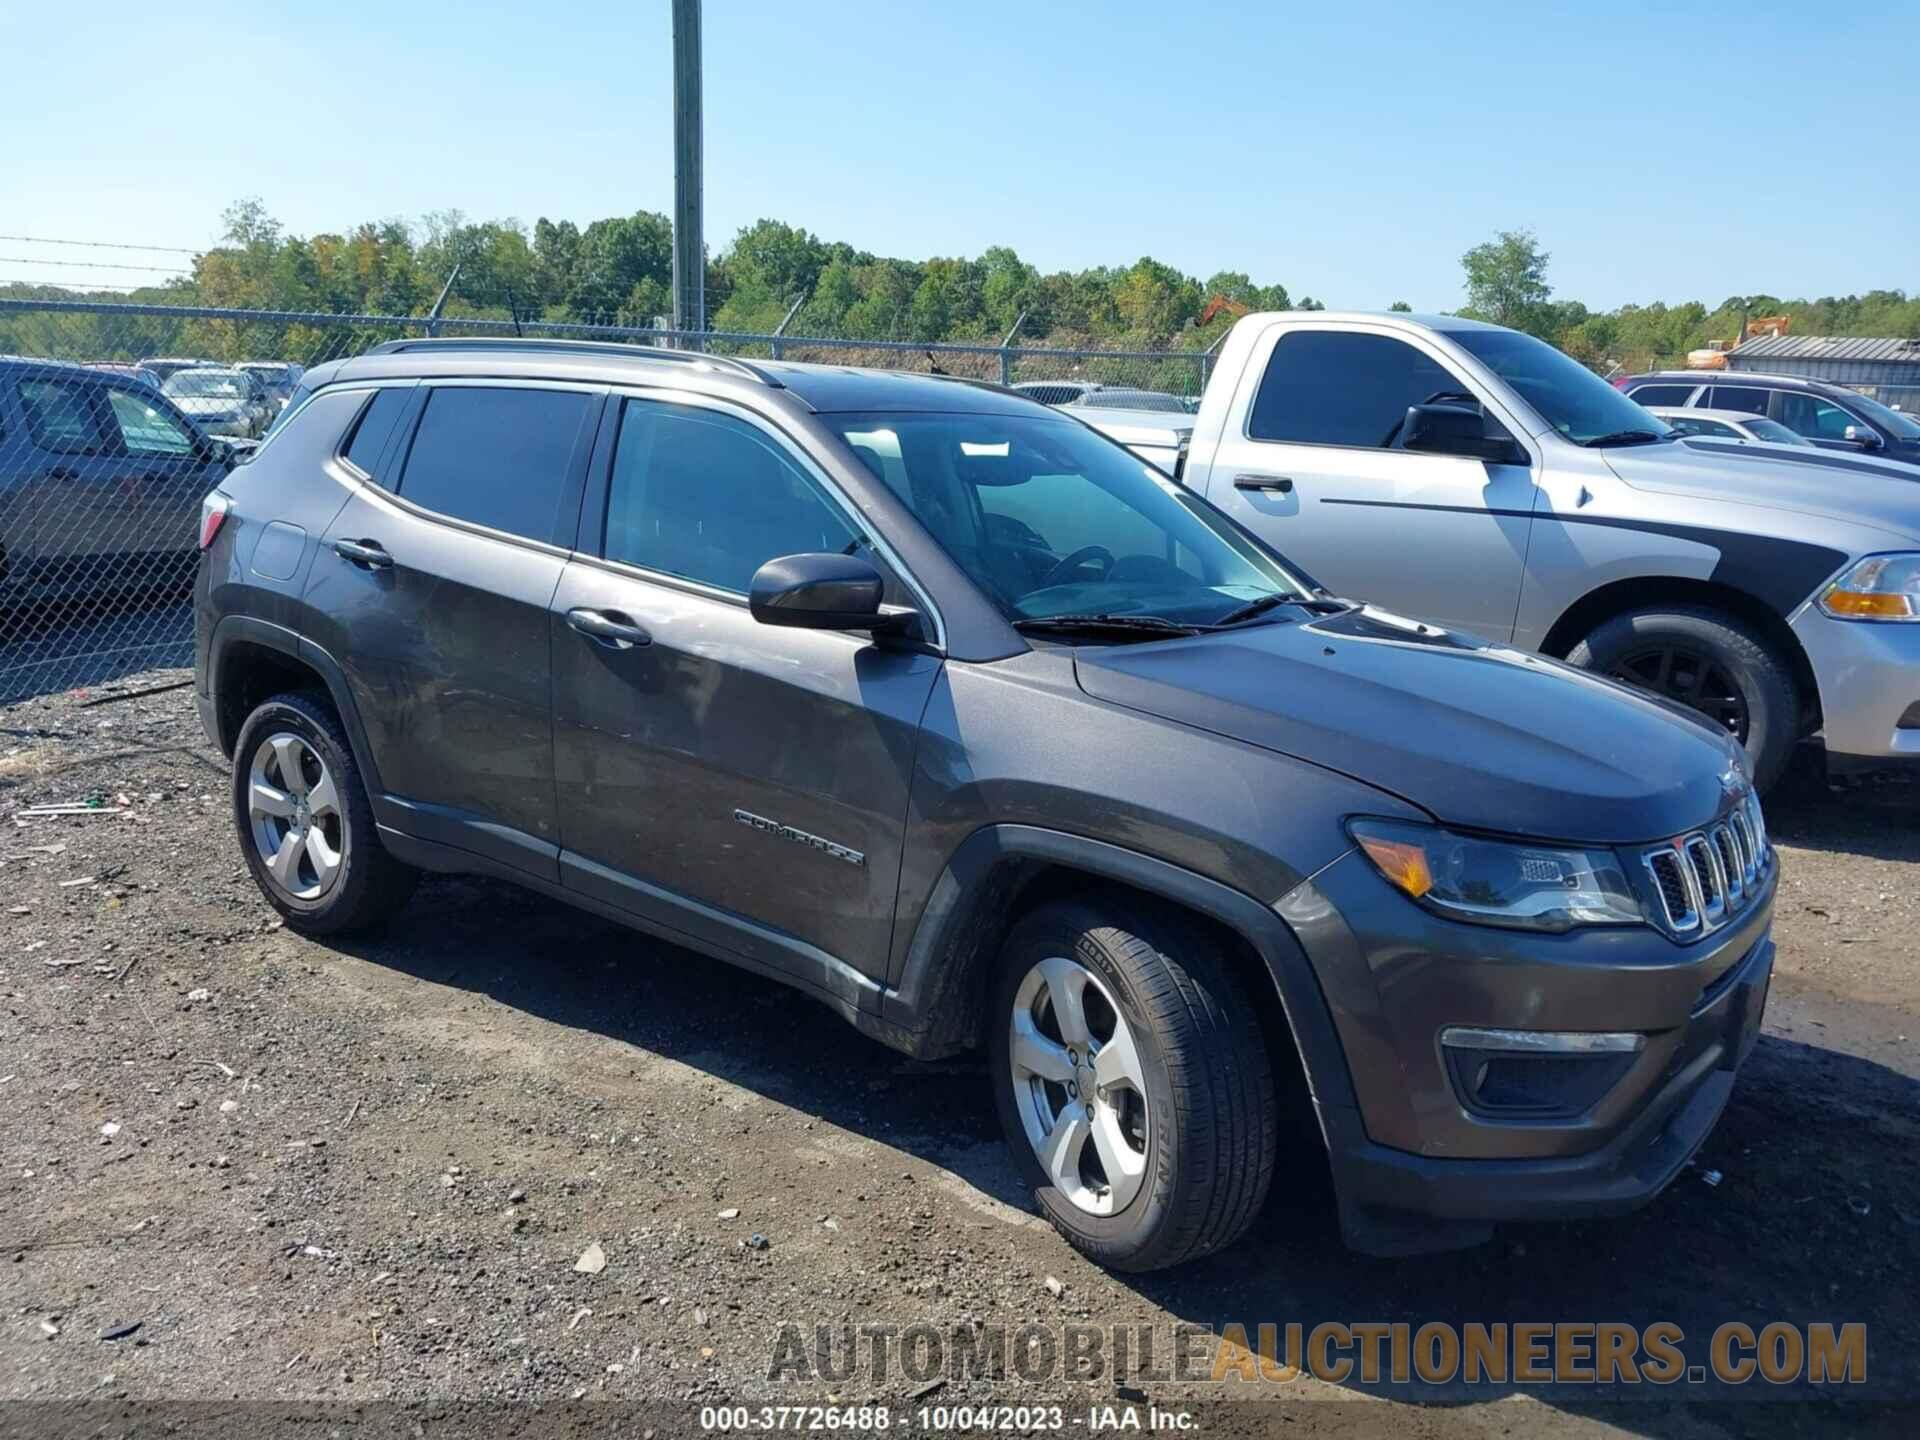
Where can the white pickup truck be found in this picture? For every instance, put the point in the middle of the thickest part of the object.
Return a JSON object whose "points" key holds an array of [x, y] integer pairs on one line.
{"points": [[1477, 477]]}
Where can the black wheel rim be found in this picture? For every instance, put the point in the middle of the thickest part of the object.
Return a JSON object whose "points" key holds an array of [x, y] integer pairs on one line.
{"points": [[1691, 677]]}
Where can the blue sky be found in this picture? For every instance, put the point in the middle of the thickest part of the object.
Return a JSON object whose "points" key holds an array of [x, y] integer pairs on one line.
{"points": [[1351, 151]]}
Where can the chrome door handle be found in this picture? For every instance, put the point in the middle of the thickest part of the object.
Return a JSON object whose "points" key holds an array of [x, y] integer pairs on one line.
{"points": [[609, 628], [1279, 484], [364, 552]]}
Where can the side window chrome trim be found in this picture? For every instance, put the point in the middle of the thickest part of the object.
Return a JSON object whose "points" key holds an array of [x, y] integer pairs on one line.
{"points": [[790, 447]]}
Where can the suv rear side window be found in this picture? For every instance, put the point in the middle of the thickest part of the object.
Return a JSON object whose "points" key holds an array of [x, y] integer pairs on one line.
{"points": [[1748, 398], [495, 457], [1326, 387], [1660, 394], [374, 429], [67, 418], [707, 497]]}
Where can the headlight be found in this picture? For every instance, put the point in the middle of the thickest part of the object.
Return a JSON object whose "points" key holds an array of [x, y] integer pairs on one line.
{"points": [[1880, 587], [1499, 882]]}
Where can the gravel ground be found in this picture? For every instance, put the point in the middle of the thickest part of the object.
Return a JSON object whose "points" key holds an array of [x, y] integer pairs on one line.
{"points": [[369, 1172]]}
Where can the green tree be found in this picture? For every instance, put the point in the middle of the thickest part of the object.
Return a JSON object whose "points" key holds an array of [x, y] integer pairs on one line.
{"points": [[1507, 282]]}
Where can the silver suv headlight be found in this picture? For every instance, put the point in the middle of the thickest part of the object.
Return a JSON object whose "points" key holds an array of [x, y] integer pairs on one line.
{"points": [[1499, 882], [1880, 587]]}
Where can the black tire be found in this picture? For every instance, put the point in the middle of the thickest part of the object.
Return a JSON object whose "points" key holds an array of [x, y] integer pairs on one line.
{"points": [[1761, 677], [1212, 1134], [370, 885]]}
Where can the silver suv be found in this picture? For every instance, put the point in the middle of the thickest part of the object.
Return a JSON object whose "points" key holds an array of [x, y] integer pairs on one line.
{"points": [[1475, 476]]}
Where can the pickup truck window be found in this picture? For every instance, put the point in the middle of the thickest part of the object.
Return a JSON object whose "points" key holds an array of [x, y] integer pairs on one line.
{"points": [[1332, 387]]}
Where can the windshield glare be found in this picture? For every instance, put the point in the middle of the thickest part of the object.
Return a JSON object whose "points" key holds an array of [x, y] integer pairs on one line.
{"points": [[1568, 396], [1049, 519], [205, 384]]}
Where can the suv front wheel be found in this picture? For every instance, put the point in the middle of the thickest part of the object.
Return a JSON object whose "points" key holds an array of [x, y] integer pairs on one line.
{"points": [[306, 825], [1133, 1082]]}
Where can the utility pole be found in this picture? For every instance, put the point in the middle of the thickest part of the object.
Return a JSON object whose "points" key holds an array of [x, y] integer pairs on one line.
{"points": [[689, 249]]}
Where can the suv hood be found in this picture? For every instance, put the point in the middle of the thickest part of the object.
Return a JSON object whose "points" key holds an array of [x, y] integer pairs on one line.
{"points": [[1479, 736], [1878, 493]]}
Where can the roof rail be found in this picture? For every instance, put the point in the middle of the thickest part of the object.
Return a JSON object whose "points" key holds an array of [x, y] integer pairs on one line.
{"points": [[581, 347]]}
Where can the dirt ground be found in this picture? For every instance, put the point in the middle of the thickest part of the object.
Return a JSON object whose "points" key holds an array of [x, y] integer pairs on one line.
{"points": [[367, 1172]]}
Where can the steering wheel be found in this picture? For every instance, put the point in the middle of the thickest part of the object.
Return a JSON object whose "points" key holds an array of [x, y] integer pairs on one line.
{"points": [[1084, 555]]}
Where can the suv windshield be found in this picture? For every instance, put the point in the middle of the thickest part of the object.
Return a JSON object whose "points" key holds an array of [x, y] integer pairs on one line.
{"points": [[1892, 421], [206, 384], [1049, 519], [1568, 396]]}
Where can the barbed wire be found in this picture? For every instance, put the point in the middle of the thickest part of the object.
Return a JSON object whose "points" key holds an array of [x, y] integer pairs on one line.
{"points": [[101, 244], [95, 265]]}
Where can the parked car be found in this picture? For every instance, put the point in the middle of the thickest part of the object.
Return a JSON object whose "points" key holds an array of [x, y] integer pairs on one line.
{"points": [[1158, 437], [101, 479], [1477, 477], [166, 366], [222, 401], [280, 378], [944, 710], [1830, 416], [133, 372], [1728, 425], [1092, 393]]}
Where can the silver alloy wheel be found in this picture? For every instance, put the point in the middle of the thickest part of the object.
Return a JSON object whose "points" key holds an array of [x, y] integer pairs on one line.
{"points": [[1077, 1078], [294, 812]]}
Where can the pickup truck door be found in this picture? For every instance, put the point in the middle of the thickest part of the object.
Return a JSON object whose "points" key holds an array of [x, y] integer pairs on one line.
{"points": [[1306, 462]]}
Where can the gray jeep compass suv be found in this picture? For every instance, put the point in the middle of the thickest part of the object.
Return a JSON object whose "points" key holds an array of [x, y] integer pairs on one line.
{"points": [[945, 710]]}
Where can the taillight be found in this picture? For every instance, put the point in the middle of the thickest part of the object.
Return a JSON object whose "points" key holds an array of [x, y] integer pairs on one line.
{"points": [[213, 514]]}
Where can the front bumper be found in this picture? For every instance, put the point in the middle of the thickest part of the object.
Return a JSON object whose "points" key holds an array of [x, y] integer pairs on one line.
{"points": [[1414, 1166], [1869, 678]]}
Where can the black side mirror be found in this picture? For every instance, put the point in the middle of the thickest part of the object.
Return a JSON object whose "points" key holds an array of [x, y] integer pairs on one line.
{"points": [[1861, 435], [1457, 430], [823, 592]]}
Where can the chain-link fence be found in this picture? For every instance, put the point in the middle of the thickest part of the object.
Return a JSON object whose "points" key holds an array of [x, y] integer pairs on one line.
{"points": [[100, 485]]}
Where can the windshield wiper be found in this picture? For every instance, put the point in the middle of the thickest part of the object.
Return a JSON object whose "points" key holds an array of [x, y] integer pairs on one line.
{"points": [[1104, 624], [1627, 437], [1254, 608]]}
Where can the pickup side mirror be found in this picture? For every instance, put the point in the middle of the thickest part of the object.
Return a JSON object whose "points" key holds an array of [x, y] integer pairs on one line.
{"points": [[1457, 430], [1860, 435], [823, 592]]}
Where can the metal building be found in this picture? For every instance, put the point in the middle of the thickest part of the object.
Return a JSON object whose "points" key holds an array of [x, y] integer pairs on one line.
{"points": [[1888, 370]]}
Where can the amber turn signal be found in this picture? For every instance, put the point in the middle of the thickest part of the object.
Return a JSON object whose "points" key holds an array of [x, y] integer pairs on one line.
{"points": [[1405, 865]]}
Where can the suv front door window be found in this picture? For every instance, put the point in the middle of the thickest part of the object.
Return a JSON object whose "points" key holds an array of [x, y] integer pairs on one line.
{"points": [[1819, 419], [1319, 448], [715, 754]]}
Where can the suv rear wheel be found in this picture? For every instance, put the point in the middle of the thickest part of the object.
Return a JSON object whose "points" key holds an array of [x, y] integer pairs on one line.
{"points": [[306, 826], [1710, 662], [1133, 1082]]}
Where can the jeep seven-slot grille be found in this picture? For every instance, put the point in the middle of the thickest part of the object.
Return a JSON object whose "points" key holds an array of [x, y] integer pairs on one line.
{"points": [[1707, 878]]}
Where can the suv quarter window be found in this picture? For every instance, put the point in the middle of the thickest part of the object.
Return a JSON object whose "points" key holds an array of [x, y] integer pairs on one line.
{"points": [[498, 456], [1660, 394], [368, 436], [706, 496], [1337, 387]]}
